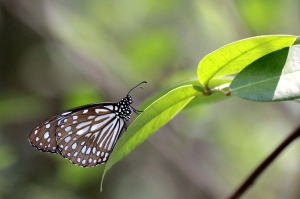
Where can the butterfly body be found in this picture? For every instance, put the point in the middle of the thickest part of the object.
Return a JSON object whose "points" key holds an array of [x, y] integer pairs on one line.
{"points": [[85, 135]]}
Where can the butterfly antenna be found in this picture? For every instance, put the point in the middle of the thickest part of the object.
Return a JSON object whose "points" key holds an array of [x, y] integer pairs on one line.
{"points": [[137, 86]]}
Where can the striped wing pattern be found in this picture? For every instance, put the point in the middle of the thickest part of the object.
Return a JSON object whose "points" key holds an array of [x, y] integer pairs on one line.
{"points": [[88, 136], [85, 135]]}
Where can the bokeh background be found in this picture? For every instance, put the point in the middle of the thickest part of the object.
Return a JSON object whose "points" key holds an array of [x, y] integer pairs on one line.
{"points": [[55, 55]]}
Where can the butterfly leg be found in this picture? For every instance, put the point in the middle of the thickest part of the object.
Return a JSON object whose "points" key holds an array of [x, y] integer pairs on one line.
{"points": [[125, 126], [136, 111]]}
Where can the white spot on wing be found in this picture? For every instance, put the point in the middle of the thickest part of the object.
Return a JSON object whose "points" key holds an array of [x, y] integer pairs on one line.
{"points": [[37, 139], [105, 158], [67, 139], [88, 151], [85, 111], [83, 149], [48, 126], [106, 155], [74, 146], [46, 135], [68, 128]]}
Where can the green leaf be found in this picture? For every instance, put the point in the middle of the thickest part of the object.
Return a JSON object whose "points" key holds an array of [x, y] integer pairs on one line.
{"points": [[234, 57], [274, 77], [191, 81], [154, 116], [199, 99]]}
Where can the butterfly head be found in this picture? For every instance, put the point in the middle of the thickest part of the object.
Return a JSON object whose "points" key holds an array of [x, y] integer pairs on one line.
{"points": [[125, 109]]}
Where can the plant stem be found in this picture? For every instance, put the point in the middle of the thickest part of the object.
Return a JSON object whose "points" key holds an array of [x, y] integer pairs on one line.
{"points": [[250, 180]]}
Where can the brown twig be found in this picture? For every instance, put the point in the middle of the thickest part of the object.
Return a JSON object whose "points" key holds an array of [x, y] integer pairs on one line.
{"points": [[250, 180]]}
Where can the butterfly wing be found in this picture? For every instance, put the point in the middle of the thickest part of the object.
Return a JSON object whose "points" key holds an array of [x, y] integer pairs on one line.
{"points": [[43, 136], [88, 136]]}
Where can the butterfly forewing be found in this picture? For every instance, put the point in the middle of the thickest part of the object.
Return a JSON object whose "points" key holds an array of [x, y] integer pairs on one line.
{"points": [[87, 137]]}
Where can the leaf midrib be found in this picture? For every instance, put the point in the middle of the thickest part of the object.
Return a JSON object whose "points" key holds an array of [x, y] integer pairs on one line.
{"points": [[269, 79]]}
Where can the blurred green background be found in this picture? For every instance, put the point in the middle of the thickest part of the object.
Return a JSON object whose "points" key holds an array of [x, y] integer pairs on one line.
{"points": [[57, 55]]}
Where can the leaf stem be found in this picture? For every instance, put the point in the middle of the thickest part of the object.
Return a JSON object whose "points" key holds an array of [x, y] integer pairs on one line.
{"points": [[221, 88], [250, 180]]}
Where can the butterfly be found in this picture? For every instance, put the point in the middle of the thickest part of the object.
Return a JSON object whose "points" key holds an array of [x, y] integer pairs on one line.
{"points": [[85, 135]]}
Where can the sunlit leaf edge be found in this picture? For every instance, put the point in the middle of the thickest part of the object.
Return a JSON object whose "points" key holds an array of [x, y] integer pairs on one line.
{"points": [[204, 78], [190, 81]]}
